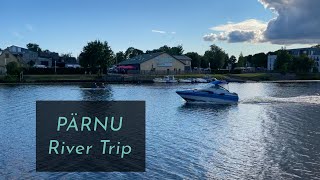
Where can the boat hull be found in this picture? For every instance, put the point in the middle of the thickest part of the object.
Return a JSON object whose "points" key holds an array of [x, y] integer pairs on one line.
{"points": [[196, 96]]}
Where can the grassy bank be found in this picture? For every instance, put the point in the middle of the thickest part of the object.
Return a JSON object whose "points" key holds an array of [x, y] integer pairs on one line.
{"points": [[127, 78], [50, 78]]}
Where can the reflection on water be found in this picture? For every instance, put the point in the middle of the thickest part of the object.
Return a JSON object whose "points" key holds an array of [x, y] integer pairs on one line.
{"points": [[203, 107], [273, 133], [93, 94]]}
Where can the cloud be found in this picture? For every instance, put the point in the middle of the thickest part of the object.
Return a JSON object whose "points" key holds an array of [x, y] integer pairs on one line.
{"points": [[240, 36], [247, 25], [249, 30], [296, 22], [213, 37], [158, 31]]}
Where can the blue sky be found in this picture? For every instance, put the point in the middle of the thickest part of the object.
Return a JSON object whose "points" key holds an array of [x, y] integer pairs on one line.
{"points": [[66, 26]]}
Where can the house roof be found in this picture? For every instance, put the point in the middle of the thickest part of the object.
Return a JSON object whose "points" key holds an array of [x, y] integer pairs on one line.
{"points": [[182, 58], [140, 58]]}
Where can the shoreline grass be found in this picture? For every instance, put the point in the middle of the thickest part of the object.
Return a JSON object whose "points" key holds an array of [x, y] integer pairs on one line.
{"points": [[131, 78]]}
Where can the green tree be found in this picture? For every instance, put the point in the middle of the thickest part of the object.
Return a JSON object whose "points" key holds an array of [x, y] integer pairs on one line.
{"points": [[13, 68], [132, 52], [216, 56], [34, 47], [302, 63], [316, 46], [177, 50], [165, 49], [66, 55], [242, 61], [232, 61], [196, 59], [249, 61], [204, 62], [260, 60], [284, 59], [96, 54], [120, 56], [31, 63]]}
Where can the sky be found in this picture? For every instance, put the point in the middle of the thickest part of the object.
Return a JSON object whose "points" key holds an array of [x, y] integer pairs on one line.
{"points": [[246, 26]]}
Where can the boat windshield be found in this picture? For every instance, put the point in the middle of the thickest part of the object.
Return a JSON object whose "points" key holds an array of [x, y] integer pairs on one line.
{"points": [[220, 86]]}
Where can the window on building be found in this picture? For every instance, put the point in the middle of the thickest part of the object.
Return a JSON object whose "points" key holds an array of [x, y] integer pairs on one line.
{"points": [[7, 55]]}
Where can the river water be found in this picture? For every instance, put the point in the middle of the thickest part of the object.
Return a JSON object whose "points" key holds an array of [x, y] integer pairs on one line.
{"points": [[273, 133]]}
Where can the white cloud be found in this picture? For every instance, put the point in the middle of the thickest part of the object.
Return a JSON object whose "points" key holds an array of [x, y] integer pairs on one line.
{"points": [[296, 22], [247, 25], [213, 37], [158, 31], [249, 30]]}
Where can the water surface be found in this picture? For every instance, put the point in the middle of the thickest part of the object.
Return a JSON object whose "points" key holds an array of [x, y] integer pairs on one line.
{"points": [[274, 132]]}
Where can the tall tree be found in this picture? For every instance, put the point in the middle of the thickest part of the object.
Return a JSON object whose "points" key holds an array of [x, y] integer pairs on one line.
{"points": [[178, 50], [13, 68], [120, 56], [34, 47], [132, 52], [216, 56], [249, 61], [96, 54], [232, 62], [196, 59], [241, 61], [302, 63], [283, 61], [260, 60], [316, 46], [204, 62], [66, 55]]}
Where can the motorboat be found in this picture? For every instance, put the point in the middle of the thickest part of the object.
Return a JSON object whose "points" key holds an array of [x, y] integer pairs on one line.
{"points": [[159, 80], [217, 92], [200, 80], [185, 80], [166, 79]]}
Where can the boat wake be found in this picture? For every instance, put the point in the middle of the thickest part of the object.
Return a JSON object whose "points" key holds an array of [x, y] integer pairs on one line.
{"points": [[273, 100]]}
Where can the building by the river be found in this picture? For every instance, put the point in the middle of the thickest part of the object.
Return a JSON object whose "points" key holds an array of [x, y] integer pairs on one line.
{"points": [[313, 53], [159, 61]]}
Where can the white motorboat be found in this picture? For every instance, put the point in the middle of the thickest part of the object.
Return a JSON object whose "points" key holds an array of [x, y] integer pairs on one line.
{"points": [[185, 80], [166, 79], [159, 80], [217, 93], [200, 80]]}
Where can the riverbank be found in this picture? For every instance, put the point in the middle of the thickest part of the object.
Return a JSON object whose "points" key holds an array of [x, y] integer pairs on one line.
{"points": [[133, 78]]}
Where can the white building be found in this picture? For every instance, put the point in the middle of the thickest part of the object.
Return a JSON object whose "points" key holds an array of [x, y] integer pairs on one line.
{"points": [[313, 53]]}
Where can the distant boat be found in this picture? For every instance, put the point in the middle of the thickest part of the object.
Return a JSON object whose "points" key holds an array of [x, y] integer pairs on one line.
{"points": [[216, 93], [200, 80], [186, 80], [166, 79]]}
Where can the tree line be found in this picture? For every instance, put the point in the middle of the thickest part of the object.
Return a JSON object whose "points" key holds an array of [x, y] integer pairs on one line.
{"points": [[287, 63], [98, 54]]}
